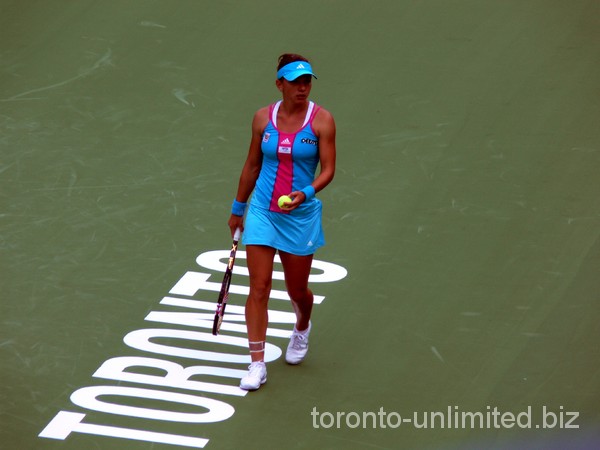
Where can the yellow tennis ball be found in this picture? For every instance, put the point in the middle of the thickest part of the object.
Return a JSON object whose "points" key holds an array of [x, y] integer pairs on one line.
{"points": [[282, 200]]}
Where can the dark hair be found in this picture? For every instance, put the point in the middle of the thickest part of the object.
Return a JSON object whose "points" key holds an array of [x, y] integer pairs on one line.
{"points": [[287, 58]]}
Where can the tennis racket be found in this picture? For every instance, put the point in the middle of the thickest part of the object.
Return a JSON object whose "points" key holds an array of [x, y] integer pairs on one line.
{"points": [[224, 293]]}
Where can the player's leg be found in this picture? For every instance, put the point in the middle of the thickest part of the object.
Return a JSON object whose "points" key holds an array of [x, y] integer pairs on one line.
{"points": [[297, 269], [260, 266]]}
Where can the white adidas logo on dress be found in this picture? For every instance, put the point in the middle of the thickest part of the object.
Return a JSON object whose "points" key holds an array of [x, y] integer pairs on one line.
{"points": [[285, 147]]}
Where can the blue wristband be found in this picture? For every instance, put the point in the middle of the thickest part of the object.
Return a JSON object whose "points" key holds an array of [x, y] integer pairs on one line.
{"points": [[309, 192], [238, 208]]}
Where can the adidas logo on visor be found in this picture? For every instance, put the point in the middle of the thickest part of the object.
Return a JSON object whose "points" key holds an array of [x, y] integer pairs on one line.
{"points": [[300, 66]]}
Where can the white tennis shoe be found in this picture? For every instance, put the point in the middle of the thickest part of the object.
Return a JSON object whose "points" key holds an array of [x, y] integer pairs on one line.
{"points": [[257, 375], [298, 346]]}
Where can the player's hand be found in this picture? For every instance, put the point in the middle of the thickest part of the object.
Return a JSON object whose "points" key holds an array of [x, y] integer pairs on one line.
{"points": [[235, 222], [298, 198]]}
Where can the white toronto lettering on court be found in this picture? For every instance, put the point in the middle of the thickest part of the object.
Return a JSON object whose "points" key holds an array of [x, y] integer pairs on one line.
{"points": [[188, 336]]}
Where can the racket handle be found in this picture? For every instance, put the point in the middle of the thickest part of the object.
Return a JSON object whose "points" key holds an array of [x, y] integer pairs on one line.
{"points": [[237, 234]]}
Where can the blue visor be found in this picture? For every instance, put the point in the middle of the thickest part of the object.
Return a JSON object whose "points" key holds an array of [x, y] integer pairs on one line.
{"points": [[294, 70]]}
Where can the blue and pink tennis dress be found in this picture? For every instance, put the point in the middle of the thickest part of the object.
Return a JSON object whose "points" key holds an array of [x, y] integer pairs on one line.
{"points": [[289, 164]]}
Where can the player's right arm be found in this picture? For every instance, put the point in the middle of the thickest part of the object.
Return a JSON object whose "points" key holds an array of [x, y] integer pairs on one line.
{"points": [[252, 166]]}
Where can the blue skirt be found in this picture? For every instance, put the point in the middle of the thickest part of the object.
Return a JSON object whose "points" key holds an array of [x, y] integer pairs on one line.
{"points": [[300, 232]]}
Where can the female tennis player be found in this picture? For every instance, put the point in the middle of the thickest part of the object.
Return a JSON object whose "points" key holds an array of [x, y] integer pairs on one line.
{"points": [[290, 138]]}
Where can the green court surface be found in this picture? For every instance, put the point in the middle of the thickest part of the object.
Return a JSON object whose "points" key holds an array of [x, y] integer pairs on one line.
{"points": [[465, 210]]}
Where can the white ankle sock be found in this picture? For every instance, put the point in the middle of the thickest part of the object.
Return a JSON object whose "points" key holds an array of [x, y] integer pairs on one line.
{"points": [[303, 332]]}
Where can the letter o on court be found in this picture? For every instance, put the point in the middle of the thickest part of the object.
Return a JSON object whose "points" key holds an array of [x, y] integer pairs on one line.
{"points": [[331, 419], [398, 420], [356, 419], [88, 397]]}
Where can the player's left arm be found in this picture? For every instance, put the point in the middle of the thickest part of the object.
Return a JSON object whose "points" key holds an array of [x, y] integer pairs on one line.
{"points": [[324, 127]]}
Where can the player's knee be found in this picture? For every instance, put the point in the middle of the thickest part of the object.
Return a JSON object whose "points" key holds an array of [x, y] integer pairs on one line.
{"points": [[260, 291], [300, 294]]}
